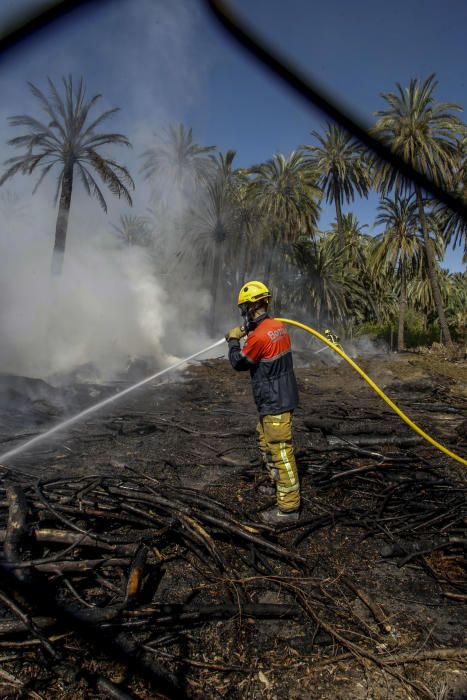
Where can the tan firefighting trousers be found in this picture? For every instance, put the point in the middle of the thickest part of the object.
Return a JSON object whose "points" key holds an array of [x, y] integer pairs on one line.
{"points": [[275, 443]]}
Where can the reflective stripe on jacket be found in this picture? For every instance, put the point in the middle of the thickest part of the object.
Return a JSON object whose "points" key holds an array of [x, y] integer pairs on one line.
{"points": [[267, 354]]}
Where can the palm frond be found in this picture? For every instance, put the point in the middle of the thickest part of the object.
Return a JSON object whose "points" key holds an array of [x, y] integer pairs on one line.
{"points": [[101, 118], [108, 175], [95, 189]]}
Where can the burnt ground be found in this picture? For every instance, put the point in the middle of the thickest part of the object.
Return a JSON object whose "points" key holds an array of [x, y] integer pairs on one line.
{"points": [[365, 597]]}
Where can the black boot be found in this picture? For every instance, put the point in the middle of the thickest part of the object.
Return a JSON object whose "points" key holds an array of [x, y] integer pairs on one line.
{"points": [[276, 516]]}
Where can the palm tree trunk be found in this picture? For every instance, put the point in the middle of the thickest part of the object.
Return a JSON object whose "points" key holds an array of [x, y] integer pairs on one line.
{"points": [[62, 221], [282, 275], [339, 219], [402, 310], [244, 259], [432, 274], [268, 271], [246, 273], [216, 273]]}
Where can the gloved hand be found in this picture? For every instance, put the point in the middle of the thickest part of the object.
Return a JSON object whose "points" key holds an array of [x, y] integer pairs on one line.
{"points": [[235, 333]]}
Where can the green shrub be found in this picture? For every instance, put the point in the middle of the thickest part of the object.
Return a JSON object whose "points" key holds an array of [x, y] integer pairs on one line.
{"points": [[417, 332]]}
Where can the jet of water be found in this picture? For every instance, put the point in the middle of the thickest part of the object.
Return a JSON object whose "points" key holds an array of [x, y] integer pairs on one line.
{"points": [[95, 407]]}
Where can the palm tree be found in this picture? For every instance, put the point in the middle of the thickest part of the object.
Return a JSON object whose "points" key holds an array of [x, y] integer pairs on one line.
{"points": [[213, 223], [222, 167], [328, 290], [177, 159], [425, 134], [355, 252], [69, 140], [343, 169], [242, 216], [457, 304], [399, 248], [284, 193], [218, 224], [420, 293], [352, 263], [243, 246], [133, 230], [226, 201], [453, 226]]}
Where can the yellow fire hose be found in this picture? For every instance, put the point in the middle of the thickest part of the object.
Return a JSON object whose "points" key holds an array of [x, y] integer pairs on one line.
{"points": [[376, 388]]}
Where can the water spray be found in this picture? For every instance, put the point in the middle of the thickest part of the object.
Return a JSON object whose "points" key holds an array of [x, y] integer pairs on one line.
{"points": [[95, 407], [308, 329]]}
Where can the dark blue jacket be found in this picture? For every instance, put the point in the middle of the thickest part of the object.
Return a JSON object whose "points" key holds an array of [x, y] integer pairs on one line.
{"points": [[267, 353]]}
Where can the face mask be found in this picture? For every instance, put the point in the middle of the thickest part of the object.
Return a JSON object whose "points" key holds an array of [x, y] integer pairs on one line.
{"points": [[244, 311]]}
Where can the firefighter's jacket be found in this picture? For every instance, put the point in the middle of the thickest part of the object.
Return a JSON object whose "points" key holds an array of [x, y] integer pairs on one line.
{"points": [[267, 354]]}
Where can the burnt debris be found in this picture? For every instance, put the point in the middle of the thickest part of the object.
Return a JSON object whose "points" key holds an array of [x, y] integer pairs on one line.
{"points": [[134, 564]]}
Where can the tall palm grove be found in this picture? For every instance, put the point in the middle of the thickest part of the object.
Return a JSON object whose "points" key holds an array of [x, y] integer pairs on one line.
{"points": [[381, 278]]}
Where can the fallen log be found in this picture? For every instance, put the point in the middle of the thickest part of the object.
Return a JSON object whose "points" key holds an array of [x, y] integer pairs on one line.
{"points": [[16, 529], [71, 565], [135, 576], [10, 627], [54, 536], [372, 440], [375, 608]]}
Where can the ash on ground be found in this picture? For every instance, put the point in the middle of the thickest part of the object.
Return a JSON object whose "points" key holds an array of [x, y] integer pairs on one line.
{"points": [[365, 597]]}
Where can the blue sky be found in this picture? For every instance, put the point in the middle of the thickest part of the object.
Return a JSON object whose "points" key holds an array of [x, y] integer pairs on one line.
{"points": [[167, 61]]}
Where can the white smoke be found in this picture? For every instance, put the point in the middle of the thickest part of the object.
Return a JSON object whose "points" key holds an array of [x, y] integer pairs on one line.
{"points": [[105, 307], [111, 304]]}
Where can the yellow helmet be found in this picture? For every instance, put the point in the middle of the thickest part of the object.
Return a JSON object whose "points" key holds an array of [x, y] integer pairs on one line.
{"points": [[253, 291]]}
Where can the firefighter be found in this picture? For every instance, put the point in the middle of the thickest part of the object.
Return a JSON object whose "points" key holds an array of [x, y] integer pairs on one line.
{"points": [[267, 354], [332, 337]]}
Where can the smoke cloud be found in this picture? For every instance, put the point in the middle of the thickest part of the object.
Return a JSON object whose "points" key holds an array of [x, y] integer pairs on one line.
{"points": [[106, 307], [112, 303]]}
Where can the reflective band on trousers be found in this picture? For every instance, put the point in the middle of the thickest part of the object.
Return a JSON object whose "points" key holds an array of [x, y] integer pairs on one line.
{"points": [[287, 489], [275, 439], [286, 461]]}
